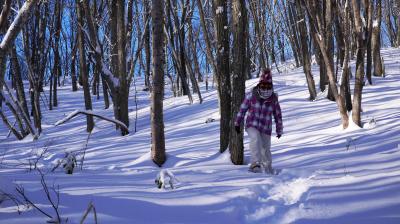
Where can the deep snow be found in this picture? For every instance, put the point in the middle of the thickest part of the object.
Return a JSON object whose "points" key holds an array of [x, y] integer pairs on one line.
{"points": [[329, 175]]}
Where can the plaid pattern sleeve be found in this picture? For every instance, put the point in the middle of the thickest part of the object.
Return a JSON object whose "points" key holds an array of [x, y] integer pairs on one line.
{"points": [[278, 117], [243, 109]]}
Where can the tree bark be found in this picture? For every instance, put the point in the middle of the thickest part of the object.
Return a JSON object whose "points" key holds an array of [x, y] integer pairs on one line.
{"points": [[305, 53], [209, 54], [376, 41], [4, 15], [359, 82], [11, 35], [57, 64], [370, 11], [157, 118], [239, 69], [18, 80], [147, 49], [260, 42], [123, 85], [321, 38], [223, 72], [83, 66]]}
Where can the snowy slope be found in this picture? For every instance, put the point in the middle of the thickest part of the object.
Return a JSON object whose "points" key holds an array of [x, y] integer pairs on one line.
{"points": [[329, 175]]}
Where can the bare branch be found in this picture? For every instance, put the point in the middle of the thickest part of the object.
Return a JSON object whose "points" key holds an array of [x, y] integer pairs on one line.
{"points": [[90, 113]]}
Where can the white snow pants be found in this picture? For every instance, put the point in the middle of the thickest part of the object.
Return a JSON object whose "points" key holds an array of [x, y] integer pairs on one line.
{"points": [[260, 147]]}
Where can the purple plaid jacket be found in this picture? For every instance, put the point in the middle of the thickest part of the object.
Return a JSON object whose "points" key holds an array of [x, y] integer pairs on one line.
{"points": [[259, 113]]}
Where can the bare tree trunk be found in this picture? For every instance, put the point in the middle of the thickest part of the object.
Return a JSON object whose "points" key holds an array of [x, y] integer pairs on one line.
{"points": [[210, 57], [180, 59], [123, 85], [73, 75], [305, 53], [83, 66], [223, 72], [376, 41], [359, 82], [389, 25], [293, 32], [321, 38], [73, 62], [113, 26], [239, 73], [57, 64], [260, 42], [147, 49], [192, 36], [18, 80], [7, 44], [4, 15], [11, 35], [343, 27], [329, 14], [370, 11], [318, 54], [157, 118], [281, 44]]}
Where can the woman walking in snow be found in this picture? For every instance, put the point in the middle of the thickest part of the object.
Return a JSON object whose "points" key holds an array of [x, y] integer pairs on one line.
{"points": [[260, 105]]}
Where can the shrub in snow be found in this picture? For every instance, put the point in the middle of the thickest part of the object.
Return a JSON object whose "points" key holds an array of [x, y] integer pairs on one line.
{"points": [[372, 123], [69, 163], [209, 120], [165, 178]]}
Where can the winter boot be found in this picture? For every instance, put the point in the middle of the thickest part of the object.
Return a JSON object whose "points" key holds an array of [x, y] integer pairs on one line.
{"points": [[255, 168]]}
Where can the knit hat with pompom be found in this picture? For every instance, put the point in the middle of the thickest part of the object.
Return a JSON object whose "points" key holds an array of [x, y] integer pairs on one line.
{"points": [[266, 76]]}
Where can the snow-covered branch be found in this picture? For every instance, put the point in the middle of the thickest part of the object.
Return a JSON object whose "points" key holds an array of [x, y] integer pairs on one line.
{"points": [[16, 25], [91, 113]]}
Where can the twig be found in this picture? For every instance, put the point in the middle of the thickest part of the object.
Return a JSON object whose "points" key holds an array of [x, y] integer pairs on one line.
{"points": [[90, 207], [4, 196], [46, 190], [21, 191], [84, 149]]}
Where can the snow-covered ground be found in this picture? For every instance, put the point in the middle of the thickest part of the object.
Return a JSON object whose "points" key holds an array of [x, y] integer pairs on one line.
{"points": [[329, 175]]}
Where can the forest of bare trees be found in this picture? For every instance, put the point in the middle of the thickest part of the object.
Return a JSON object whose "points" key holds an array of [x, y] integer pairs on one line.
{"points": [[102, 45]]}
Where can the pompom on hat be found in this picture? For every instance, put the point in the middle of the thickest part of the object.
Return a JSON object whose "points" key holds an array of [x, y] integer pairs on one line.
{"points": [[266, 76]]}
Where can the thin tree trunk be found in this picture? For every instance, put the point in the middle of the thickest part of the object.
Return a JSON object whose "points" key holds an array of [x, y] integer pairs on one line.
{"points": [[359, 82], [389, 25], [321, 38], [376, 41], [123, 85], [11, 35], [305, 53], [369, 46], [18, 80], [83, 66], [329, 14], [210, 57], [147, 48], [57, 64], [344, 28], [157, 118], [254, 12]]}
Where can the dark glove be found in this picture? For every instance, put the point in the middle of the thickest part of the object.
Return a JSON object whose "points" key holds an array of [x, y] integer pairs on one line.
{"points": [[279, 136], [237, 128]]}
